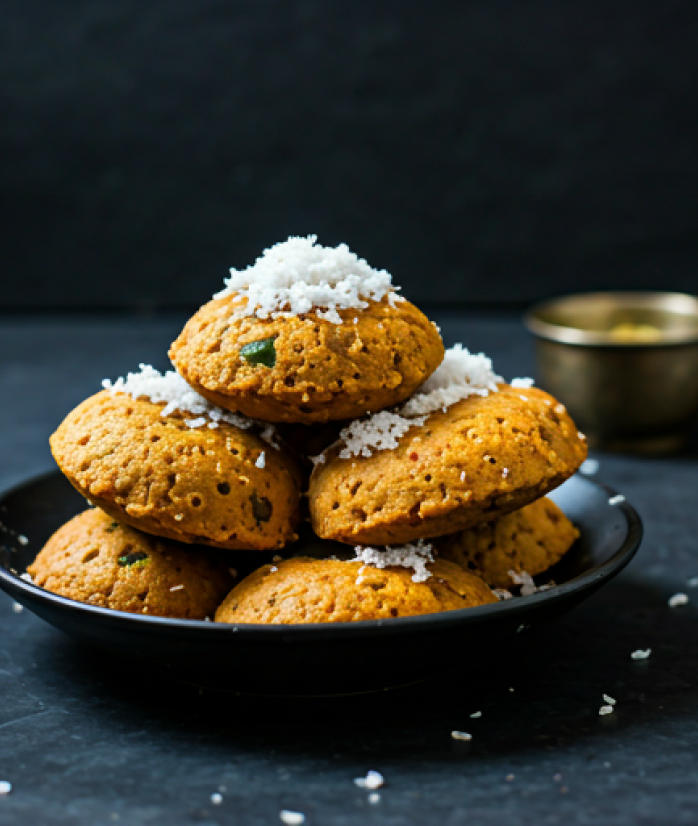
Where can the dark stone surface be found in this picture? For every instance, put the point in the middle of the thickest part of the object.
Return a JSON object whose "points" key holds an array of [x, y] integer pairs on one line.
{"points": [[482, 151], [87, 742]]}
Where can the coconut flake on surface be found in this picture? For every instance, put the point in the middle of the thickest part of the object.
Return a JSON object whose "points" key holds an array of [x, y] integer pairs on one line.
{"points": [[373, 780], [617, 499], [171, 388], [641, 654], [502, 593], [589, 467], [381, 431], [525, 580], [678, 599], [261, 460], [461, 735], [5, 787], [461, 374], [609, 700], [291, 818], [605, 710], [269, 434], [415, 556], [298, 276], [522, 384]]}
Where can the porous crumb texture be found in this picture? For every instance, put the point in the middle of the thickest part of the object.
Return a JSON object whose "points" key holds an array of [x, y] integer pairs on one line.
{"points": [[482, 458], [531, 539], [161, 476], [97, 560], [322, 371], [305, 590]]}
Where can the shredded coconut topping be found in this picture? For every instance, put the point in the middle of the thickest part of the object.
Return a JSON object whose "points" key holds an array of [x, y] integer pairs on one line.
{"points": [[5, 787], [678, 599], [605, 710], [381, 431], [641, 654], [171, 388], [414, 556], [525, 580], [461, 735], [296, 276], [461, 374], [502, 593]]}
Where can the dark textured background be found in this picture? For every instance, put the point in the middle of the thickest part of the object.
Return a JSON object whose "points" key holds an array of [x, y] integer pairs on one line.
{"points": [[482, 151]]}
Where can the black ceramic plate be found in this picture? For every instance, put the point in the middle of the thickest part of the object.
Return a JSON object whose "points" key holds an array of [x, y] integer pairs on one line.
{"points": [[327, 658]]}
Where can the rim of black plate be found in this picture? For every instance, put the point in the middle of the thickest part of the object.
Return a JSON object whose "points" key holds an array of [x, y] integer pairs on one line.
{"points": [[505, 610]]}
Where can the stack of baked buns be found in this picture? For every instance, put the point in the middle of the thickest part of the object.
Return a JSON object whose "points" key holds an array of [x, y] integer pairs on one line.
{"points": [[310, 391]]}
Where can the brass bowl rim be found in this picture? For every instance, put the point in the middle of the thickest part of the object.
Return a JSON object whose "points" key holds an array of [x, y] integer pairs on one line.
{"points": [[680, 303]]}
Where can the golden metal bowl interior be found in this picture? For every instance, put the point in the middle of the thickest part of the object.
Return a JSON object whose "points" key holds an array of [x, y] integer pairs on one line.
{"points": [[592, 318]]}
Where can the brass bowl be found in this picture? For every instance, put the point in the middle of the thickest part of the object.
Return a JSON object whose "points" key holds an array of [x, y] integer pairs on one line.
{"points": [[624, 363]]}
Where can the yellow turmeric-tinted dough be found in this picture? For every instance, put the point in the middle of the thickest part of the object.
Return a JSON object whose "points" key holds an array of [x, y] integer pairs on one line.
{"points": [[97, 560], [480, 459], [323, 590], [322, 371], [531, 539], [198, 485]]}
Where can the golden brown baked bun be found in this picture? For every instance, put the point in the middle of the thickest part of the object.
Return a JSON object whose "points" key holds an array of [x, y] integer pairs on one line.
{"points": [[531, 539], [480, 459], [324, 590], [321, 371], [97, 560], [197, 485]]}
